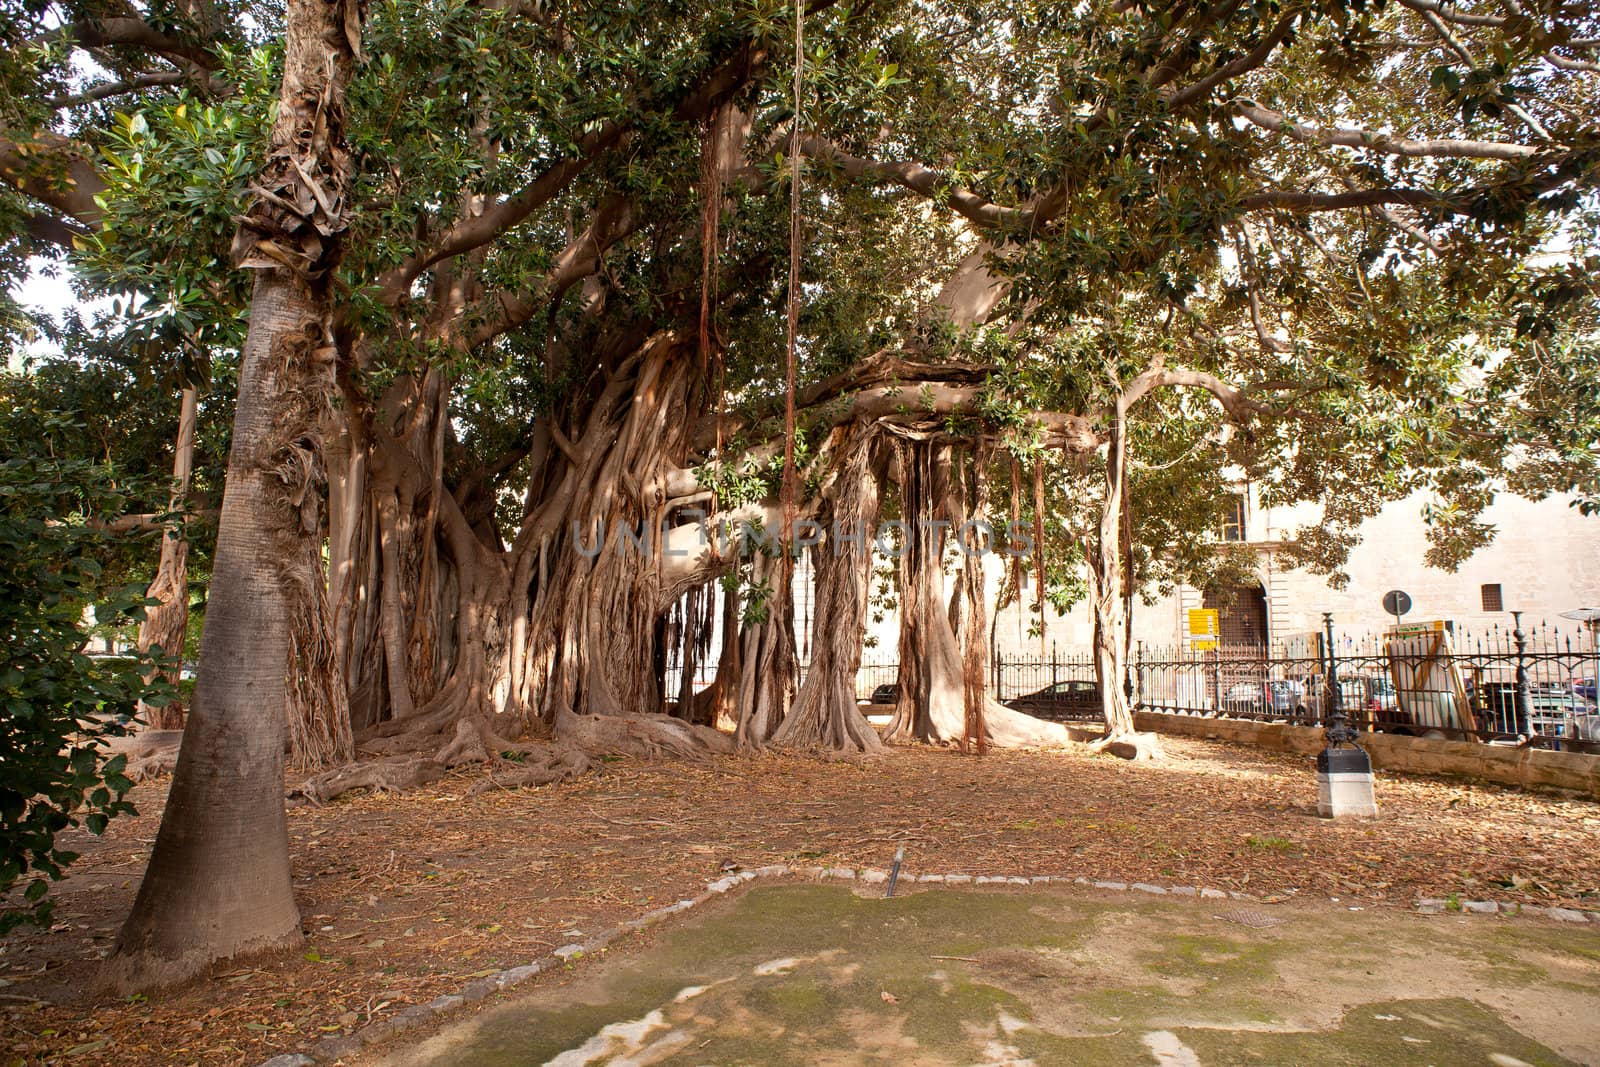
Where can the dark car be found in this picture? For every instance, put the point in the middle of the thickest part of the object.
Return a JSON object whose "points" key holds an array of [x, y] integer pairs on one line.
{"points": [[888, 693], [1063, 700]]}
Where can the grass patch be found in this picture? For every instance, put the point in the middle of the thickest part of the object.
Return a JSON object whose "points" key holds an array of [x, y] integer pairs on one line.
{"points": [[1270, 844]]}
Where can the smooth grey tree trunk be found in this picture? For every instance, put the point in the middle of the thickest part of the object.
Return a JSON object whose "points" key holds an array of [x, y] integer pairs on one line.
{"points": [[218, 883]]}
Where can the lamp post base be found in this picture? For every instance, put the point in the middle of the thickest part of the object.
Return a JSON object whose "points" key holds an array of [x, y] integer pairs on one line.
{"points": [[1344, 784]]}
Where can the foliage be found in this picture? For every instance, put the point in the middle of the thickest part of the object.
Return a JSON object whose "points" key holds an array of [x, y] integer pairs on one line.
{"points": [[1416, 318], [58, 706]]}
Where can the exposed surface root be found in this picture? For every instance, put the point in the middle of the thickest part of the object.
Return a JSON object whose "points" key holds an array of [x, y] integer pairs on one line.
{"points": [[555, 764], [469, 745], [640, 735], [1010, 728], [395, 775], [579, 739], [164, 761], [1131, 746], [150, 753]]}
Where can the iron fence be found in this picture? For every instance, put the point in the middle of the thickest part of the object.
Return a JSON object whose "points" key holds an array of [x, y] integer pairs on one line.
{"points": [[1019, 676], [1500, 685], [1503, 685], [869, 677]]}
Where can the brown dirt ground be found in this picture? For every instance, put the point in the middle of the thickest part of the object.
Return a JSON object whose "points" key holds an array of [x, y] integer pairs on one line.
{"points": [[407, 897]]}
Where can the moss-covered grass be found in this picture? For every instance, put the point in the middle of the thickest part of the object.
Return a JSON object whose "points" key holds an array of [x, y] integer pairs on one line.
{"points": [[812, 974]]}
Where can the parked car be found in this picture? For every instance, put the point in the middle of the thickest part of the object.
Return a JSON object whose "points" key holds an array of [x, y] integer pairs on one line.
{"points": [[1367, 699], [1377, 693], [1551, 709], [888, 693], [1063, 700], [1555, 713], [1279, 697]]}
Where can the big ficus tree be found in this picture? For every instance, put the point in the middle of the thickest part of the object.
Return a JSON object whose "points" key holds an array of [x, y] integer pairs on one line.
{"points": [[525, 284]]}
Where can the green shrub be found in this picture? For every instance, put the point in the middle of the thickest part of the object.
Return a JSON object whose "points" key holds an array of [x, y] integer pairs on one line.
{"points": [[58, 706]]}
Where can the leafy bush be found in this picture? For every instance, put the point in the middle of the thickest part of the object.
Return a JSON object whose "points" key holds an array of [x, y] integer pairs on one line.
{"points": [[58, 706]]}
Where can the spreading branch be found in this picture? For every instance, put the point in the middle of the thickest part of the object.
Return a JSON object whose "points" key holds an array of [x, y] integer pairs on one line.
{"points": [[55, 171], [1379, 142]]}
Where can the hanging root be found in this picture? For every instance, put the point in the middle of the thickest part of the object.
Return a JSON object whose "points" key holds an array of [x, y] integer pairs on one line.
{"points": [[1134, 747]]}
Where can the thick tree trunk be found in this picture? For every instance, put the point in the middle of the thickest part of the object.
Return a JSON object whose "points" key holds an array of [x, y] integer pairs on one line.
{"points": [[218, 881], [1106, 593], [929, 649], [767, 661], [555, 633], [166, 625], [825, 712]]}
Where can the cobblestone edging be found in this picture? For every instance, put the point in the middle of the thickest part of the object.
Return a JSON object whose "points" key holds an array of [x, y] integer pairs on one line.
{"points": [[331, 1048], [1440, 905]]}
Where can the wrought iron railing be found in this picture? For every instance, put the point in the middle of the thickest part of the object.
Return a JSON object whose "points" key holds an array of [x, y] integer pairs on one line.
{"points": [[1500, 685], [1490, 685]]}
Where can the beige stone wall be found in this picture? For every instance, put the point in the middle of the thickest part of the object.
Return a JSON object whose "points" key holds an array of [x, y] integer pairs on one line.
{"points": [[1523, 767], [1546, 558]]}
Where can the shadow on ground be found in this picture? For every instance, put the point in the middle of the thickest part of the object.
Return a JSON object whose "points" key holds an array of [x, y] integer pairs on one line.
{"points": [[819, 975]]}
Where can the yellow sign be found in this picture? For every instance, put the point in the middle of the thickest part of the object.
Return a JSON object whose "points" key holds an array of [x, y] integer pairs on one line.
{"points": [[1204, 628], [1435, 626]]}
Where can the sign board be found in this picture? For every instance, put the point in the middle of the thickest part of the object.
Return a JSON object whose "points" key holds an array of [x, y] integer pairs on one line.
{"points": [[1204, 628], [1396, 602], [1432, 626], [1428, 686]]}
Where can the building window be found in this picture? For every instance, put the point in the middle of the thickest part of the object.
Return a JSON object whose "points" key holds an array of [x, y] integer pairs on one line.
{"points": [[1491, 598], [1233, 519]]}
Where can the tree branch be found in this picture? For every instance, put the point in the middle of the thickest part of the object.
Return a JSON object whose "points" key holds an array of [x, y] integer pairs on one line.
{"points": [[476, 230], [196, 58], [1378, 142], [110, 89], [55, 171], [55, 231], [1450, 13], [505, 311], [919, 179], [1243, 64], [1297, 200]]}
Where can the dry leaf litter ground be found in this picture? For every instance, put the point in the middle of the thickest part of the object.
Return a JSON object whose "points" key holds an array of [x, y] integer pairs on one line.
{"points": [[406, 897]]}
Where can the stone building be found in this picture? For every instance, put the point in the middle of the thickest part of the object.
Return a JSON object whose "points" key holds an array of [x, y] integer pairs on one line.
{"points": [[1544, 560]]}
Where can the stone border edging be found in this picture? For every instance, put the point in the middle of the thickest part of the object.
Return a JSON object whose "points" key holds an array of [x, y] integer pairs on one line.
{"points": [[1441, 905], [1517, 768], [333, 1047]]}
